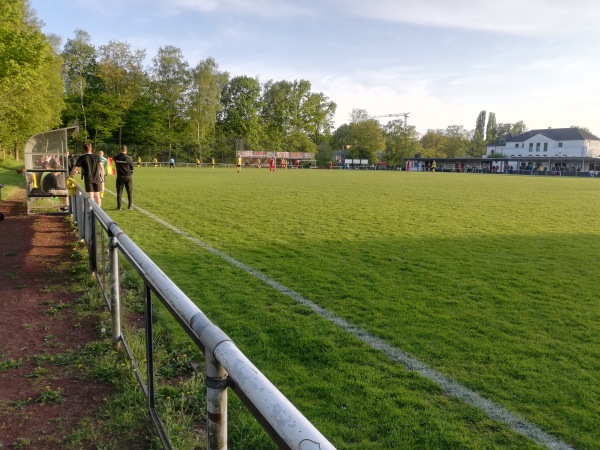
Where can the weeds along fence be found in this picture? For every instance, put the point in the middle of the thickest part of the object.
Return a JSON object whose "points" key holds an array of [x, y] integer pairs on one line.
{"points": [[226, 367]]}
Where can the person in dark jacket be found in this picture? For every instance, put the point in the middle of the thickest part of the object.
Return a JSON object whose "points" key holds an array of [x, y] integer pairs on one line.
{"points": [[124, 165]]}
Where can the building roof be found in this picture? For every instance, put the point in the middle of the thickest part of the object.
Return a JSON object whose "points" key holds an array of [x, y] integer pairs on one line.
{"points": [[468, 159], [556, 134]]}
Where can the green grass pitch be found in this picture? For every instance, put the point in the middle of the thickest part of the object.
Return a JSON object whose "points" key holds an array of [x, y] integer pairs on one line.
{"points": [[490, 279]]}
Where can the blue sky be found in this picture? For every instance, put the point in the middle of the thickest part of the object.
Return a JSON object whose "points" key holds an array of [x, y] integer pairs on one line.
{"points": [[442, 61]]}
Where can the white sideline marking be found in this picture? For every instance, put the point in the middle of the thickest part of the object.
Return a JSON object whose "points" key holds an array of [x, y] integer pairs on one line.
{"points": [[450, 387]]}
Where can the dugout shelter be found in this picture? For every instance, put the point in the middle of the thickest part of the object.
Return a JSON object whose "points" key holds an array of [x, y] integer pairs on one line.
{"points": [[47, 153]]}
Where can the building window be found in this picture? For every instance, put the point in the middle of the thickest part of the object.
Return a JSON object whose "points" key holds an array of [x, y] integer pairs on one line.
{"points": [[537, 147], [516, 145], [560, 144], [545, 146], [531, 146]]}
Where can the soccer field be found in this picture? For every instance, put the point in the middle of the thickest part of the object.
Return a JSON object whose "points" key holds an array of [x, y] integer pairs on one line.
{"points": [[489, 280]]}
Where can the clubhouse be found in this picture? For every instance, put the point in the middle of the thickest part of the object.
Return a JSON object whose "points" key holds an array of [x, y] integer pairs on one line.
{"points": [[558, 151]]}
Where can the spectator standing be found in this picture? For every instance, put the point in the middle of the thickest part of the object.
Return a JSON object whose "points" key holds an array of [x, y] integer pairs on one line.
{"points": [[124, 165], [104, 162], [172, 163], [91, 171]]}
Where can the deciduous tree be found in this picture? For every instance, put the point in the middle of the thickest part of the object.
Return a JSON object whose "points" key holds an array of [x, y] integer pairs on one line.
{"points": [[401, 142], [434, 143], [491, 130], [30, 83], [170, 80], [366, 138], [241, 105], [204, 102], [121, 71], [79, 57]]}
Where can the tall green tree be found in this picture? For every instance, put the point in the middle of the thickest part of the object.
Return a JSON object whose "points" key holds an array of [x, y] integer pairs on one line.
{"points": [[121, 70], [318, 112], [170, 81], [241, 105], [366, 136], [291, 114], [103, 117], [79, 57], [480, 126], [340, 138], [478, 144], [144, 123], [401, 142], [457, 141], [204, 103], [433, 143], [276, 113], [30, 83], [491, 130], [519, 128]]}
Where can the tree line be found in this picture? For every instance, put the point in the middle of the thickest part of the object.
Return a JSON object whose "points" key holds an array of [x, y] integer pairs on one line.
{"points": [[171, 109]]}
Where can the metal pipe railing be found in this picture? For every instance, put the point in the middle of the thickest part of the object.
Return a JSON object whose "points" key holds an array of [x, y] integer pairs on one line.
{"points": [[226, 366]]}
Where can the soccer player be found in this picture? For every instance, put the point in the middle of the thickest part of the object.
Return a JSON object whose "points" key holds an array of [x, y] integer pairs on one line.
{"points": [[239, 164]]}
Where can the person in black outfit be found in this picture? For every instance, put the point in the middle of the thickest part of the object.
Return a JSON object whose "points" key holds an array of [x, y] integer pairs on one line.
{"points": [[124, 165], [51, 185], [91, 171], [50, 181]]}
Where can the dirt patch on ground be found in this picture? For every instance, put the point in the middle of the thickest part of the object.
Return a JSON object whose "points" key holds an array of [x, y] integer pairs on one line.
{"points": [[40, 404]]}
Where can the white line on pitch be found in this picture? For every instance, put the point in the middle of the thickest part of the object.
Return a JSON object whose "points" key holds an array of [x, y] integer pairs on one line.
{"points": [[450, 387]]}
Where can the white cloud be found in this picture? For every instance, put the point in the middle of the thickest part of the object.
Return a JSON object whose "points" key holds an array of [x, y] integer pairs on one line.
{"points": [[531, 17], [262, 8]]}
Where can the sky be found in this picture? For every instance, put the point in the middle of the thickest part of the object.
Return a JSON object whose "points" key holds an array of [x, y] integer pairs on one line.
{"points": [[439, 61]]}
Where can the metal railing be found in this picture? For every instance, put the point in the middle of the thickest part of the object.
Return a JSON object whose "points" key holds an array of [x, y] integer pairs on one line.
{"points": [[225, 365]]}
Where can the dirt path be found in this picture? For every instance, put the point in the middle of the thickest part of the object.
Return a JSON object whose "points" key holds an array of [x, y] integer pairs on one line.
{"points": [[41, 401]]}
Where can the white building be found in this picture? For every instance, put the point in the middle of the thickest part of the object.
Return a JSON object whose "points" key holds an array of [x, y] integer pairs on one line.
{"points": [[551, 142]]}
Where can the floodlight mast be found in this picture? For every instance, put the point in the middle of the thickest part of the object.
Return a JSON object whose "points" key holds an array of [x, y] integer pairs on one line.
{"points": [[395, 115]]}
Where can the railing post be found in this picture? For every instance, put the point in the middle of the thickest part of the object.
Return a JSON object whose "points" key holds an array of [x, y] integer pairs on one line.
{"points": [[149, 348], [115, 292], [80, 214], [73, 206], [216, 404], [90, 238]]}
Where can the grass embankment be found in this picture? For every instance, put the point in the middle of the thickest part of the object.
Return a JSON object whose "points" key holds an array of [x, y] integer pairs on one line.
{"points": [[489, 279], [9, 176]]}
